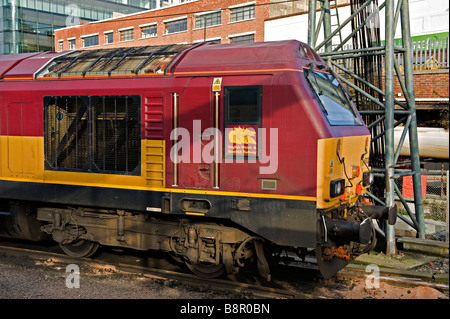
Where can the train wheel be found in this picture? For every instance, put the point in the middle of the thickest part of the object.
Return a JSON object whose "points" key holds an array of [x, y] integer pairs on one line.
{"points": [[206, 270], [80, 248]]}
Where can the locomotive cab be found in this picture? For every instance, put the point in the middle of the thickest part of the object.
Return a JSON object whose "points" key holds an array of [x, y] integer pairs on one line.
{"points": [[343, 174]]}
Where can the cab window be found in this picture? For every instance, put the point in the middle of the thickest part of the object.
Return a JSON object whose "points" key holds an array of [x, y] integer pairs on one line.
{"points": [[243, 105], [332, 98]]}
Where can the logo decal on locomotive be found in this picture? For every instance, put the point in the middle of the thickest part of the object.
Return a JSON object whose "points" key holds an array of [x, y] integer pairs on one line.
{"points": [[241, 146], [242, 141]]}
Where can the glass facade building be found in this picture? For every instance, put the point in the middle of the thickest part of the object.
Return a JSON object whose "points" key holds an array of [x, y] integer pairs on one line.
{"points": [[28, 25]]}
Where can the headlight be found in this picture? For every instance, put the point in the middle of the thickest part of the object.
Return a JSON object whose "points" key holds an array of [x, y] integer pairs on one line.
{"points": [[367, 178], [337, 187]]}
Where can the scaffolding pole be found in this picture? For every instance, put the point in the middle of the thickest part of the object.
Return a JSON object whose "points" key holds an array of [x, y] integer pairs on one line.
{"points": [[413, 137], [389, 122]]}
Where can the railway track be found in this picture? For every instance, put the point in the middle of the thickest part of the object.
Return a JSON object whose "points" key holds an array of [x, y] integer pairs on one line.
{"points": [[175, 277], [297, 280], [407, 279]]}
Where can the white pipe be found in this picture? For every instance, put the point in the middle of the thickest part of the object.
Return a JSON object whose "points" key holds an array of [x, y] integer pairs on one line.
{"points": [[433, 142]]}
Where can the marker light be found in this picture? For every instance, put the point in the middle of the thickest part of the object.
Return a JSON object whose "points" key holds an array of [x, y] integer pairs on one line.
{"points": [[337, 187], [367, 178], [356, 170]]}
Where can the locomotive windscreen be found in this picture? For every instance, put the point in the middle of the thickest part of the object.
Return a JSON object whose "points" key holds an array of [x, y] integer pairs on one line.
{"points": [[134, 60], [332, 98]]}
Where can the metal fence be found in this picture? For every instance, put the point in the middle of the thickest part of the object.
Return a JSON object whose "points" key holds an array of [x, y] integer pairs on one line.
{"points": [[435, 188], [429, 54]]}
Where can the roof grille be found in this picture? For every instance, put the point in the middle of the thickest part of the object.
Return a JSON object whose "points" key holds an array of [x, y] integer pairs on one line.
{"points": [[109, 62]]}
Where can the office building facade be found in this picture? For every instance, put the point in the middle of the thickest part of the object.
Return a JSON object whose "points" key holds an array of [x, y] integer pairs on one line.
{"points": [[29, 25], [180, 22]]}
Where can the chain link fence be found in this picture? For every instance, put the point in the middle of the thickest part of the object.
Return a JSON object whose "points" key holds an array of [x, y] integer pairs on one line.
{"points": [[435, 188]]}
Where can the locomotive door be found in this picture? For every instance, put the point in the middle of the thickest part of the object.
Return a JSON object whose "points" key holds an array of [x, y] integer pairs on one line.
{"points": [[196, 115]]}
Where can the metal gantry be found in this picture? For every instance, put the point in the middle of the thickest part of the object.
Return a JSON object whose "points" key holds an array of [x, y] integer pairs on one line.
{"points": [[367, 60]]}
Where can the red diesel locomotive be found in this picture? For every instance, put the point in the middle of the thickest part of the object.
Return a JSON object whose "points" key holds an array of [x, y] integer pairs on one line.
{"points": [[216, 154]]}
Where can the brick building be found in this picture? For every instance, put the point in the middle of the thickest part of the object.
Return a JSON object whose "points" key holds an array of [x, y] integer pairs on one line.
{"points": [[224, 21]]}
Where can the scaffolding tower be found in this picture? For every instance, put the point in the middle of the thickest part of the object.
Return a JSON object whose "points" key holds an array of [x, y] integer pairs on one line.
{"points": [[370, 79]]}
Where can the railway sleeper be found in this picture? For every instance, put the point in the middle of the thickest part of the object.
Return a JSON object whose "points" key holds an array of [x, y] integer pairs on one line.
{"points": [[208, 249]]}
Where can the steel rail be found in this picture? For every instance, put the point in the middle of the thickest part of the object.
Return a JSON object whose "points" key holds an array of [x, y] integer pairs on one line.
{"points": [[254, 290]]}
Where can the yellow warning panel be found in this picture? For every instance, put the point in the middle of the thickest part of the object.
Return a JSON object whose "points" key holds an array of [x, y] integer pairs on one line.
{"points": [[217, 84]]}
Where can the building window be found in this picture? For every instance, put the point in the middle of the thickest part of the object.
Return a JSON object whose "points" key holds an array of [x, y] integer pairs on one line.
{"points": [[90, 41], [126, 35], [96, 134], [148, 31], [208, 20], [243, 13], [218, 41], [109, 38], [243, 38], [61, 46], [72, 44], [176, 26]]}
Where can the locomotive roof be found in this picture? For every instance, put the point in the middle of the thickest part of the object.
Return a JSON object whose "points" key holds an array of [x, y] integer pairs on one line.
{"points": [[255, 56], [153, 60], [24, 65]]}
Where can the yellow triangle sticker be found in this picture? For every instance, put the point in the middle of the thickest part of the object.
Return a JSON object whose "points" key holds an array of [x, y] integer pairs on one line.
{"points": [[217, 84]]}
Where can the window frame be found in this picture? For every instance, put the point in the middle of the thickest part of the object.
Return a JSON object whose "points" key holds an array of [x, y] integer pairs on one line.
{"points": [[126, 34], [227, 122], [148, 26], [242, 36], [312, 83], [88, 38], [211, 16], [107, 34], [173, 22], [242, 10], [72, 44]]}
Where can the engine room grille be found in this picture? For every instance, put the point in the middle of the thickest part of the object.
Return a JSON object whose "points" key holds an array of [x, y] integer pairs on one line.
{"points": [[107, 62], [93, 134]]}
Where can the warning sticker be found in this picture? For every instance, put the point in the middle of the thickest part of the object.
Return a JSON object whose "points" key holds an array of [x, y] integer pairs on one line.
{"points": [[217, 84]]}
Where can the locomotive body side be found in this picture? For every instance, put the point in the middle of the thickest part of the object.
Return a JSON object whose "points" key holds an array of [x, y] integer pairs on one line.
{"points": [[216, 154]]}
